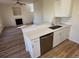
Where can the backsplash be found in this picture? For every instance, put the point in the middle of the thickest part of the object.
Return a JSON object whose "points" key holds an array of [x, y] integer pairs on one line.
{"points": [[64, 20]]}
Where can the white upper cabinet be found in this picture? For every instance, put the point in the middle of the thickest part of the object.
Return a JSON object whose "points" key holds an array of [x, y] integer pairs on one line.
{"points": [[57, 8], [63, 8]]}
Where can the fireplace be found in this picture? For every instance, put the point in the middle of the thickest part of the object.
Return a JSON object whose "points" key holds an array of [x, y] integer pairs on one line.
{"points": [[19, 21]]}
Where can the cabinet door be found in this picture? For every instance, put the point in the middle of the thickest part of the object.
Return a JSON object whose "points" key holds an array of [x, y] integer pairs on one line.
{"points": [[57, 6], [57, 38], [60, 36], [36, 47], [66, 32], [66, 8], [63, 34], [63, 8]]}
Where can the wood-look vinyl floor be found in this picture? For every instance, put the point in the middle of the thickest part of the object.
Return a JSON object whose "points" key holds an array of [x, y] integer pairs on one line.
{"points": [[12, 46], [67, 49]]}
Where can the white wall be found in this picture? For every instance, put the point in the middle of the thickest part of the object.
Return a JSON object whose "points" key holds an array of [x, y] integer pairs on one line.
{"points": [[48, 10], [7, 15], [74, 36], [9, 19], [38, 11], [27, 15], [44, 11]]}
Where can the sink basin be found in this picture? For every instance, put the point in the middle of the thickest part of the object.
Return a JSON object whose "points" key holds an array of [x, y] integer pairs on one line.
{"points": [[55, 27]]}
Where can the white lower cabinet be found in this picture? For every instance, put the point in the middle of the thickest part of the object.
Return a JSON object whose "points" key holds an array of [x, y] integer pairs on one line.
{"points": [[60, 36], [36, 47], [33, 46], [56, 38], [67, 32]]}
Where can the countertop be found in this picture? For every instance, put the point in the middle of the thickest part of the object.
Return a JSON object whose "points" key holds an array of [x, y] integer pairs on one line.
{"points": [[34, 32]]}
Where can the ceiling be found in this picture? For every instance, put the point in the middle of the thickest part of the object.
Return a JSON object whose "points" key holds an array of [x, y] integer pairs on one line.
{"points": [[14, 1]]}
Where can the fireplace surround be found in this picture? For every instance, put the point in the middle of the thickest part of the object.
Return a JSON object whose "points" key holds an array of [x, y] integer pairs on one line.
{"points": [[19, 21]]}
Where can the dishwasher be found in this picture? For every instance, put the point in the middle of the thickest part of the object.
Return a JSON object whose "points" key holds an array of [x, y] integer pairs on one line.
{"points": [[46, 43]]}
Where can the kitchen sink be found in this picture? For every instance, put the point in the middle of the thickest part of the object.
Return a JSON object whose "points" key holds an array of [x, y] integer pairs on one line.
{"points": [[55, 27]]}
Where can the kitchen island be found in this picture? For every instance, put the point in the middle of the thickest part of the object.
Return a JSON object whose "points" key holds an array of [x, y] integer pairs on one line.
{"points": [[32, 37]]}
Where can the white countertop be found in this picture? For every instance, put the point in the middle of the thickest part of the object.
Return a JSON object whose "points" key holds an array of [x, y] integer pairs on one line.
{"points": [[34, 32]]}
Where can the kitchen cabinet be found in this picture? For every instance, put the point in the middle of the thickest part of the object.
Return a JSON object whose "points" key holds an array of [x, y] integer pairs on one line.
{"points": [[63, 8], [33, 47], [40, 41], [60, 36], [36, 47], [56, 38], [66, 32], [57, 7]]}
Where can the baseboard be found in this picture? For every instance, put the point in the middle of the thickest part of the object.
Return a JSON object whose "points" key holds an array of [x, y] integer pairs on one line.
{"points": [[74, 41]]}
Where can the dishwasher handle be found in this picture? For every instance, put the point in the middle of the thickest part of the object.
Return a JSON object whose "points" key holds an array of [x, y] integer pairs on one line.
{"points": [[47, 36]]}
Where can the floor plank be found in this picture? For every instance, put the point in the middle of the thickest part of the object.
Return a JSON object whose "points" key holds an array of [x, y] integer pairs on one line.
{"points": [[12, 44], [67, 49]]}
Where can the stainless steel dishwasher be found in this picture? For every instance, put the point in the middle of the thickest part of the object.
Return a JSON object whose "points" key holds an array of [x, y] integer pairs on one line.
{"points": [[46, 43]]}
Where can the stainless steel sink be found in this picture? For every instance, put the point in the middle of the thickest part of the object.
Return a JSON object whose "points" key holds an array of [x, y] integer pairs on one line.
{"points": [[55, 27]]}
